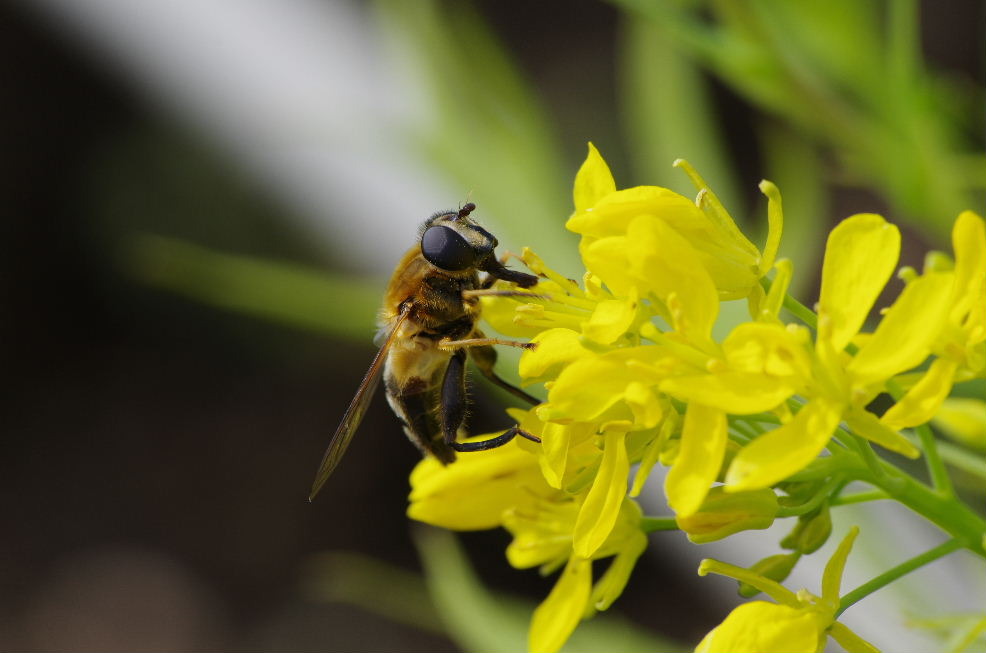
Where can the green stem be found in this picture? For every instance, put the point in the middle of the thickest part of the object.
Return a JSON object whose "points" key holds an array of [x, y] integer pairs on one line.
{"points": [[794, 307], [865, 451], [893, 574], [859, 497], [940, 479], [823, 493], [936, 467], [948, 513], [654, 524]]}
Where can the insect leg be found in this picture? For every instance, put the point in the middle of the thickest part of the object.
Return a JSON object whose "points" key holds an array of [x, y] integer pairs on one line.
{"points": [[493, 443], [454, 410], [453, 403], [451, 345], [485, 359]]}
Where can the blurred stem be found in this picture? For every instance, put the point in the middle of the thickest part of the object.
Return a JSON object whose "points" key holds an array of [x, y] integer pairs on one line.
{"points": [[654, 524], [903, 46], [665, 126]]}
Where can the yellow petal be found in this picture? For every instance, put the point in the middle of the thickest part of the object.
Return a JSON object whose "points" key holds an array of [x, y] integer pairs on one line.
{"points": [[849, 640], [586, 389], [614, 212], [775, 226], [774, 456], [559, 614], [905, 334], [611, 585], [494, 481], [738, 393], [556, 349], [860, 255], [611, 319], [716, 213], [542, 531], [767, 348], [607, 259], [554, 442], [593, 181], [924, 398], [868, 425], [644, 404], [969, 244], [762, 627], [665, 263], [602, 504], [703, 444]]}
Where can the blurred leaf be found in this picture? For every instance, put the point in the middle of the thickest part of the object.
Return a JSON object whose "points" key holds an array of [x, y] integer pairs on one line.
{"points": [[793, 164], [373, 585], [282, 292], [670, 115], [488, 131], [482, 621], [848, 74]]}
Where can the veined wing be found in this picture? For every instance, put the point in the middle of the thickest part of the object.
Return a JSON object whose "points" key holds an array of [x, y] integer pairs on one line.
{"points": [[354, 414]]}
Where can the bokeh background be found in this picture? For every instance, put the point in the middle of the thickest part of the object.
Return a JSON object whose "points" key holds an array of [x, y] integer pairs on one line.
{"points": [[202, 201]]}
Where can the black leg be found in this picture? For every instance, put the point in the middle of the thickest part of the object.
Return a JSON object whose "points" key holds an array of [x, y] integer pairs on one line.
{"points": [[493, 443], [485, 359], [454, 396]]}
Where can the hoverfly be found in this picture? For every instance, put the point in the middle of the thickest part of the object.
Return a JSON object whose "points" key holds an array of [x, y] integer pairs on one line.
{"points": [[427, 324]]}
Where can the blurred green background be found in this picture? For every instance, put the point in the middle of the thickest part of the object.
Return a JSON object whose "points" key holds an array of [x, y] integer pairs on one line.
{"points": [[202, 203]]}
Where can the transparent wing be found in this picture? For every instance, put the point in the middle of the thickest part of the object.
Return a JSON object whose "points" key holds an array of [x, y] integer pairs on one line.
{"points": [[354, 414]]}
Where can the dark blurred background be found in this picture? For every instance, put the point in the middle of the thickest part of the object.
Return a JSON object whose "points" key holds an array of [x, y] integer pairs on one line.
{"points": [[157, 446]]}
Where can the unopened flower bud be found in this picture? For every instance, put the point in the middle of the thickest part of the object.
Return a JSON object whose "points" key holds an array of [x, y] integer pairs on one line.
{"points": [[811, 532], [723, 514], [776, 567]]}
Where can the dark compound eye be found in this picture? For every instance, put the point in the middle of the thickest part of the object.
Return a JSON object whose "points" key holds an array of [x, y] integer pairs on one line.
{"points": [[446, 249]]}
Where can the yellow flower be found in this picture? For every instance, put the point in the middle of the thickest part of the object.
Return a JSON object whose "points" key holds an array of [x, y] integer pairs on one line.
{"points": [[543, 537], [493, 481], [797, 623], [611, 221], [860, 256], [961, 342], [551, 527]]}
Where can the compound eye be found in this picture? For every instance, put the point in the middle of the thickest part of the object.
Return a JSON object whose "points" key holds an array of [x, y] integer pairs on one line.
{"points": [[444, 248]]}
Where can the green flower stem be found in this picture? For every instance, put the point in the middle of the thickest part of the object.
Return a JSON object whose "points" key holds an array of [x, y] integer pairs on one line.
{"points": [[654, 524], [859, 497], [936, 467], [823, 493], [891, 575], [794, 307], [946, 512], [866, 452]]}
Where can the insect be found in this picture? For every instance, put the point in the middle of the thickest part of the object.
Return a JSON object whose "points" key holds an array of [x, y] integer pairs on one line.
{"points": [[427, 324]]}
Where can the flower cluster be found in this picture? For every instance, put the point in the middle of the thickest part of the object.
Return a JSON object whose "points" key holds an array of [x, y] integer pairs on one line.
{"points": [[634, 374]]}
